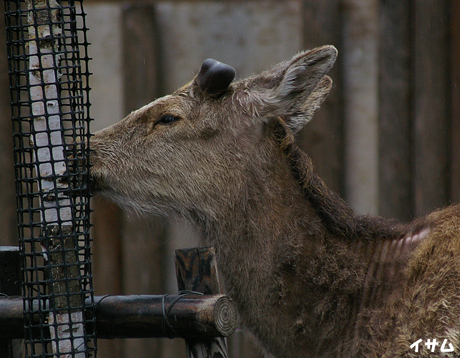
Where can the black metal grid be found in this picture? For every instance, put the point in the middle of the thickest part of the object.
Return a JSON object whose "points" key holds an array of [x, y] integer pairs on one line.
{"points": [[51, 167]]}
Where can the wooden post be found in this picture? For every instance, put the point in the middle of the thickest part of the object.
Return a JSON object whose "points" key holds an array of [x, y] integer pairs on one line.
{"points": [[8, 221], [431, 97], [323, 140], [395, 131], [455, 100], [143, 238], [360, 95], [196, 270], [9, 286]]}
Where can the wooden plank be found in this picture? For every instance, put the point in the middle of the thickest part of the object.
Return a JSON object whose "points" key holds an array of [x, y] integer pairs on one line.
{"points": [[431, 109], [395, 151], [104, 35], [196, 270], [141, 85], [455, 101], [142, 238], [104, 23], [323, 138], [140, 56], [360, 86], [10, 273], [8, 222], [107, 247], [107, 261], [10, 285]]}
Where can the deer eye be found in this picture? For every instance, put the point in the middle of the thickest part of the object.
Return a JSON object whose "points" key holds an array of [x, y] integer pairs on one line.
{"points": [[167, 119]]}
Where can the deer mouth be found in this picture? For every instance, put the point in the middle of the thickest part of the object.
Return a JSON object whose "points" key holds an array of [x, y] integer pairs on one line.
{"points": [[96, 184], [94, 187]]}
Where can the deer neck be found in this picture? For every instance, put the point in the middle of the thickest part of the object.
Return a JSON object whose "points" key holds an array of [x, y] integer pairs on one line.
{"points": [[280, 260], [289, 248]]}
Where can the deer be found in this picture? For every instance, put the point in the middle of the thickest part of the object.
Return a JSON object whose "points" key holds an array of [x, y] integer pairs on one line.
{"points": [[309, 276]]}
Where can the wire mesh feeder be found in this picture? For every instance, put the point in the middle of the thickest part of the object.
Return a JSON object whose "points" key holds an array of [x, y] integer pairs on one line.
{"points": [[48, 65]]}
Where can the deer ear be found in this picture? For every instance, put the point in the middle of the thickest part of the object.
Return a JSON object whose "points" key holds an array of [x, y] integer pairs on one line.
{"points": [[297, 120], [293, 89], [214, 76]]}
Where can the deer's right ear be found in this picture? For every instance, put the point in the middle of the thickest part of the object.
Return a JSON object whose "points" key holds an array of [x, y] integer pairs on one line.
{"points": [[297, 120], [289, 87]]}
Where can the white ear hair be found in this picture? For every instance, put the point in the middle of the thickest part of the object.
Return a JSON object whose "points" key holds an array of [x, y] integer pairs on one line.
{"points": [[297, 120], [301, 77], [285, 90], [289, 88]]}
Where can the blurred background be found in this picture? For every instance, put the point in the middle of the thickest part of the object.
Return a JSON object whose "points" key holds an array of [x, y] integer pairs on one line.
{"points": [[387, 138]]}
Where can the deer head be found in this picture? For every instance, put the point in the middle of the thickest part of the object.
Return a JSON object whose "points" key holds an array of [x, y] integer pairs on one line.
{"points": [[190, 152]]}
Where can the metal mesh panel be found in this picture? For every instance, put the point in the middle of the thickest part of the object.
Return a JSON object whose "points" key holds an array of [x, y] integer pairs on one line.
{"points": [[48, 65]]}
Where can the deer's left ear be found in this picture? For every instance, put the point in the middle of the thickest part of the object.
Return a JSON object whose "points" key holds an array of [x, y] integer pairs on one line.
{"points": [[294, 89]]}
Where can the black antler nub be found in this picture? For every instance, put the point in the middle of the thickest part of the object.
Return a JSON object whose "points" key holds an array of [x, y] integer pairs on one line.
{"points": [[214, 76]]}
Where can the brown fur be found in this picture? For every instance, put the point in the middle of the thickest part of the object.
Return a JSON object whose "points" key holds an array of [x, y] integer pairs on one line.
{"points": [[310, 278]]}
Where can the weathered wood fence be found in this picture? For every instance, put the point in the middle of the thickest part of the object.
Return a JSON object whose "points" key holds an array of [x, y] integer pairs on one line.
{"points": [[198, 313], [387, 138]]}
